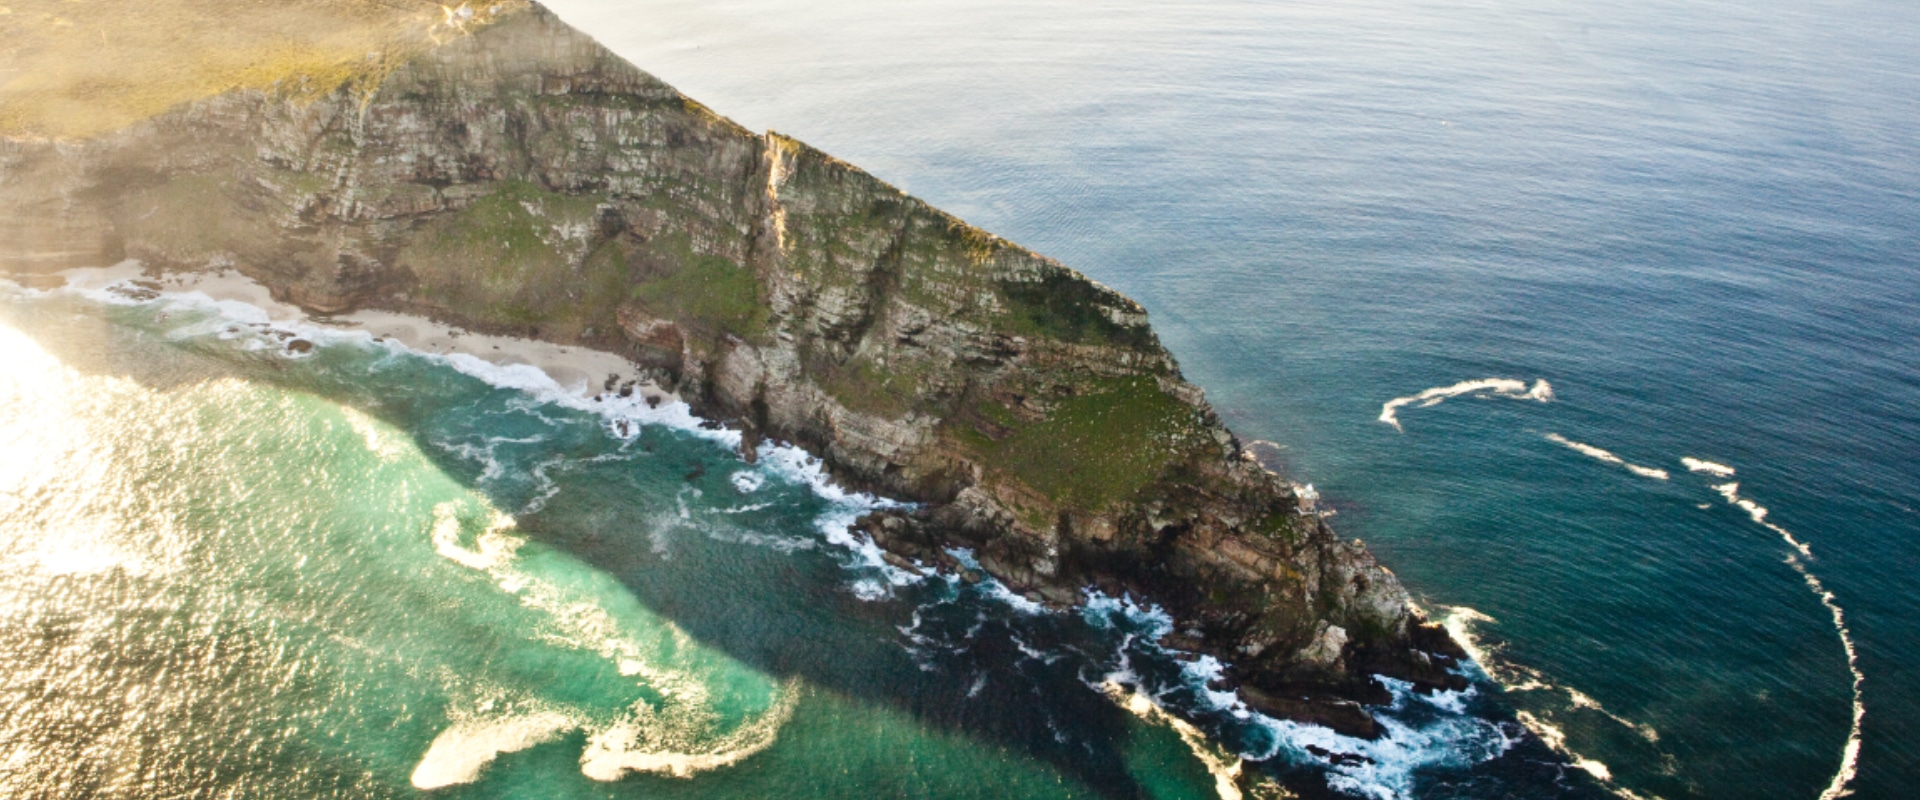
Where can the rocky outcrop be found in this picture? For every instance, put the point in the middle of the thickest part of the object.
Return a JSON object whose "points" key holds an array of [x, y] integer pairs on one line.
{"points": [[521, 179]]}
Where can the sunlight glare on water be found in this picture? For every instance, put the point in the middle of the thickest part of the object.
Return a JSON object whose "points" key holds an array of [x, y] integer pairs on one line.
{"points": [[151, 602]]}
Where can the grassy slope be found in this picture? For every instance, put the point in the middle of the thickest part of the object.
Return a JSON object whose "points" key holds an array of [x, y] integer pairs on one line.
{"points": [[55, 82]]}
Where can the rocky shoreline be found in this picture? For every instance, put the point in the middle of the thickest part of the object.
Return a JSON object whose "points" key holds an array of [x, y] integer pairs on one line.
{"points": [[515, 178]]}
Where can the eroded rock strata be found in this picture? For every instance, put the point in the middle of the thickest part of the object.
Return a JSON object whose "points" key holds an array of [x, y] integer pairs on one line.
{"points": [[521, 179]]}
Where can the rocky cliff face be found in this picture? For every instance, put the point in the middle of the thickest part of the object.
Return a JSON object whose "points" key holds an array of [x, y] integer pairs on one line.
{"points": [[521, 179]]}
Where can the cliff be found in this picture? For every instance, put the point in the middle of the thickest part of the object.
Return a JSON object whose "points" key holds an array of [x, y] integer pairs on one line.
{"points": [[510, 175]]}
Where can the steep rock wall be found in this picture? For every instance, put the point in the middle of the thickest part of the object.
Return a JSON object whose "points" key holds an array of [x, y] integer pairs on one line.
{"points": [[522, 179]]}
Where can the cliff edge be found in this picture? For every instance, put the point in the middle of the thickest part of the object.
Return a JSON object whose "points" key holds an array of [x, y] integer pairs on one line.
{"points": [[510, 175]]}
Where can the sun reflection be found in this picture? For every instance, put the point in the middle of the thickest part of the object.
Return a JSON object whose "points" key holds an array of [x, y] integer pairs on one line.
{"points": [[66, 497]]}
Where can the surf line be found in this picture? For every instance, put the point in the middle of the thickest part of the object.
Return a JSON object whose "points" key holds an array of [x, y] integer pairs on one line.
{"points": [[1460, 621], [1797, 559], [1497, 387], [1607, 457]]}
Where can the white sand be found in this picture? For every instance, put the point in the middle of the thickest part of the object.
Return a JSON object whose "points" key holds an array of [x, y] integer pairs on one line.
{"points": [[580, 369]]}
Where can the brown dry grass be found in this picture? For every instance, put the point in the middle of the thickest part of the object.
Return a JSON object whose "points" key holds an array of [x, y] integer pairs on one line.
{"points": [[76, 68]]}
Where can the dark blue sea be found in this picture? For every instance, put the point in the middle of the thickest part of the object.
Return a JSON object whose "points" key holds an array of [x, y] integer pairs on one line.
{"points": [[1599, 324]]}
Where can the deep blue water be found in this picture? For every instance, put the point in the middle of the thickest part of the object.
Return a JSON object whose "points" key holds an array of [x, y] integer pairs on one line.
{"points": [[1698, 221]]}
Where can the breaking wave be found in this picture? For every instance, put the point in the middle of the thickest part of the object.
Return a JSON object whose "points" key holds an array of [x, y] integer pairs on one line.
{"points": [[1607, 457], [1797, 559], [1460, 622], [1421, 731], [1707, 467], [459, 754], [675, 729], [1498, 387]]}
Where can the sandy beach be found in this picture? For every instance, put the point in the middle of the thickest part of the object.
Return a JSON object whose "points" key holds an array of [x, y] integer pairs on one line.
{"points": [[579, 369]]}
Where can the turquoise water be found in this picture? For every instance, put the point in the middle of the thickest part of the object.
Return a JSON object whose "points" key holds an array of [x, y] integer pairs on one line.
{"points": [[227, 569], [1697, 221]]}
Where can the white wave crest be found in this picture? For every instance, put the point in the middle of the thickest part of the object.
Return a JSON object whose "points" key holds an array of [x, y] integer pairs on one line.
{"points": [[464, 749], [1707, 467], [1452, 737], [1850, 751], [1222, 764], [1647, 472], [748, 482], [1500, 387], [1556, 739], [650, 741], [874, 576], [1460, 621], [1607, 457]]}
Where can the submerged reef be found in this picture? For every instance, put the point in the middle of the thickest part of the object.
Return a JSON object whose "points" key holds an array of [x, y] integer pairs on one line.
{"points": [[495, 169]]}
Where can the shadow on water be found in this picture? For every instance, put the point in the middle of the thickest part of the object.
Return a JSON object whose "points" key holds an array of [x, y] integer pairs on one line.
{"points": [[794, 616]]}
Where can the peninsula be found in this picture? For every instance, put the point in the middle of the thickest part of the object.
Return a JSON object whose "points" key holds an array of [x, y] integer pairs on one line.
{"points": [[494, 169]]}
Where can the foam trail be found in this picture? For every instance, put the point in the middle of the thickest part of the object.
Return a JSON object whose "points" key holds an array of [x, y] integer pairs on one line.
{"points": [[111, 286], [1501, 387], [1708, 467], [1607, 457], [1850, 752], [460, 752], [1224, 766], [1459, 622], [677, 736], [1556, 739], [1445, 733], [625, 415], [640, 743]]}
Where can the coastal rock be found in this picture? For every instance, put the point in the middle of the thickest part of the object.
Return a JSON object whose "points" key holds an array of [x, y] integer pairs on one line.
{"points": [[518, 178], [1327, 647]]}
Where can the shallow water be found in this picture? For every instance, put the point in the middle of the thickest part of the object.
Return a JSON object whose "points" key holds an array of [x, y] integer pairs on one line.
{"points": [[230, 568]]}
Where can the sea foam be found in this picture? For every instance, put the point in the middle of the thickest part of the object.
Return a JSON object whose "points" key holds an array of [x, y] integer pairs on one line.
{"points": [[1797, 560], [1499, 387], [677, 735], [1607, 457], [1707, 467], [625, 416], [647, 742], [1447, 735], [459, 754]]}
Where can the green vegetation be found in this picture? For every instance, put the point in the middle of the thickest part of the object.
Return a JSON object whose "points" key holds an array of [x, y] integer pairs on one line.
{"points": [[705, 290], [1096, 448], [507, 260], [863, 386], [1280, 526], [165, 52], [524, 257], [1067, 307], [979, 244]]}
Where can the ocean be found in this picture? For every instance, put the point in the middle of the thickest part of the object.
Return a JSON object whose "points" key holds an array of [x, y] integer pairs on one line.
{"points": [[1600, 325]]}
